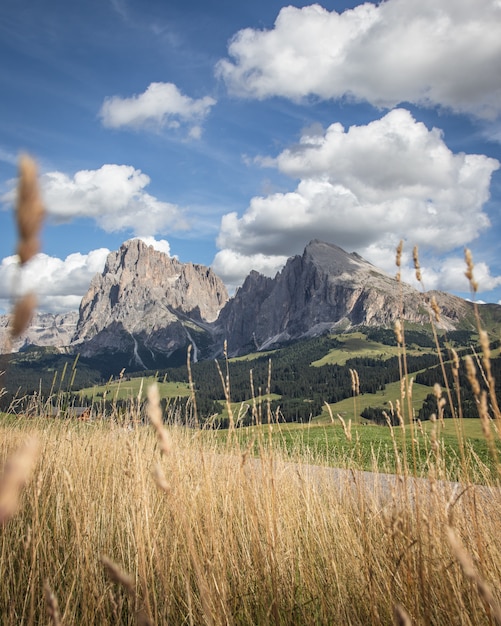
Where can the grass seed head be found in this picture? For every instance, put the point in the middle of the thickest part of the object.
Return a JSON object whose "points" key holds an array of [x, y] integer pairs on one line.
{"points": [[469, 270], [402, 618], [399, 253], [484, 342], [417, 267], [30, 211], [155, 414], [398, 332], [16, 474], [435, 308], [470, 571], [117, 575], [23, 314], [471, 373], [398, 260], [159, 478], [52, 605]]}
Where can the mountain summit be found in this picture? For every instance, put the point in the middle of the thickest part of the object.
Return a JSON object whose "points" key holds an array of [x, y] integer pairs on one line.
{"points": [[147, 304], [325, 289]]}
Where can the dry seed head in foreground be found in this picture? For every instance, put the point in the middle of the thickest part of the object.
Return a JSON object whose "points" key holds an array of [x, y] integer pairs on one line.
{"points": [[23, 314], [402, 618], [399, 253], [117, 575], [398, 260], [469, 570], [29, 214], [52, 605], [155, 414], [469, 270], [435, 308], [417, 267], [16, 474], [398, 332], [30, 211]]}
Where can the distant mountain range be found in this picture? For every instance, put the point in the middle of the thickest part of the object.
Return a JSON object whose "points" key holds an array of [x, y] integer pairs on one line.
{"points": [[46, 329], [145, 308]]}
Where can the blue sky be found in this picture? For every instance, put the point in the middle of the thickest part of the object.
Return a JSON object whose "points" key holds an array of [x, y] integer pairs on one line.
{"points": [[231, 134]]}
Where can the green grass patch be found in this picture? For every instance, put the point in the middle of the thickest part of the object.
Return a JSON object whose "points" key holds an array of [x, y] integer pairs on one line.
{"points": [[375, 448], [129, 389], [252, 356], [356, 345], [350, 408], [243, 410]]}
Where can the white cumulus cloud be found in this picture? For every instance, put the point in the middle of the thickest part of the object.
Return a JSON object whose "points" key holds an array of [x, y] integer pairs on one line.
{"points": [[232, 266], [58, 283], [449, 275], [161, 245], [114, 196], [365, 188], [431, 52], [161, 105]]}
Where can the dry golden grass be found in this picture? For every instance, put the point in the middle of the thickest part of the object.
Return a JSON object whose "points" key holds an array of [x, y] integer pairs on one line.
{"points": [[224, 539]]}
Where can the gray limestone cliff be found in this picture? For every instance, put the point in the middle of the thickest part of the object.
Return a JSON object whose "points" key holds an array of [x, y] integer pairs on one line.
{"points": [[145, 308], [325, 289], [46, 329], [147, 303]]}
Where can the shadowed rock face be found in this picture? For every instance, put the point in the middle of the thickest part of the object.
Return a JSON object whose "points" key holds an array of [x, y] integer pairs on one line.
{"points": [[150, 297], [323, 289]]}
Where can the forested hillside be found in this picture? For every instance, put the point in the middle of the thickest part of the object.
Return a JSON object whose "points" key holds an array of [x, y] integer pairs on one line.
{"points": [[297, 387]]}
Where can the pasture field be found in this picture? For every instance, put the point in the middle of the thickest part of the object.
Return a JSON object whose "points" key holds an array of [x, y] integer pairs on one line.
{"points": [[130, 388], [350, 408], [356, 344], [377, 448]]}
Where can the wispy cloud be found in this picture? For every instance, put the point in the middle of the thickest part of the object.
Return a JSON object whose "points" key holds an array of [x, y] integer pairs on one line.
{"points": [[8, 157]]}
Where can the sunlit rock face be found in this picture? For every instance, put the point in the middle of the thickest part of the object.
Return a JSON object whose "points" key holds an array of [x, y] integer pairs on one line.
{"points": [[144, 301], [146, 308], [323, 289]]}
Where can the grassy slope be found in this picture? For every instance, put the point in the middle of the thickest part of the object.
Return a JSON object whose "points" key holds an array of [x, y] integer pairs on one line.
{"points": [[355, 345], [351, 408]]}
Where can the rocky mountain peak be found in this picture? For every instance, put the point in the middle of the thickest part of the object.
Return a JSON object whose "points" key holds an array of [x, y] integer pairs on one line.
{"points": [[146, 307], [333, 259], [324, 289], [46, 329], [145, 296]]}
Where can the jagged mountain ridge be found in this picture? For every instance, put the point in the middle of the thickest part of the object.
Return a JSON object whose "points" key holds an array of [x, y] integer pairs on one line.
{"points": [[325, 289], [146, 306], [146, 303], [54, 330]]}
